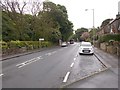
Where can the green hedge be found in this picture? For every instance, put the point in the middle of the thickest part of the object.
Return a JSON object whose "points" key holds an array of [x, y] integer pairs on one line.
{"points": [[109, 37], [3, 45], [28, 44]]}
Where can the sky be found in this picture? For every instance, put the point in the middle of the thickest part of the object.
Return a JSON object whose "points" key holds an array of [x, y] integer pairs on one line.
{"points": [[103, 9]]}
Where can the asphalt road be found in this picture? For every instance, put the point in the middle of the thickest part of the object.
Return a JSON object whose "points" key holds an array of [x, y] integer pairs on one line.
{"points": [[50, 68]]}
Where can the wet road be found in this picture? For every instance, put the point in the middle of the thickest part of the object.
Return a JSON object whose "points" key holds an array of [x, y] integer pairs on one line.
{"points": [[49, 68]]}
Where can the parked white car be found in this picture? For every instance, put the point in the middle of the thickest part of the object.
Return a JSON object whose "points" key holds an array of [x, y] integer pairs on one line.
{"points": [[86, 48]]}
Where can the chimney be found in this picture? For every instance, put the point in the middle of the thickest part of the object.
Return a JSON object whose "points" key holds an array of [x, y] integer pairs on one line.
{"points": [[118, 15]]}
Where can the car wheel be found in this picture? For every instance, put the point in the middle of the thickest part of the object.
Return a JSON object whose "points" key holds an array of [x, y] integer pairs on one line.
{"points": [[92, 53]]}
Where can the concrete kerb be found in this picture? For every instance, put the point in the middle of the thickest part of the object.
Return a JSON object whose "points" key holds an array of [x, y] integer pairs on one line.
{"points": [[102, 60], [26, 53]]}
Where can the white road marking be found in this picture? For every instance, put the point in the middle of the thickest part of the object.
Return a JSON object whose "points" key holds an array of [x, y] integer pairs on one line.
{"points": [[1, 75], [74, 59], [48, 54], [54, 52], [39, 57], [21, 66], [71, 65], [66, 77], [28, 62]]}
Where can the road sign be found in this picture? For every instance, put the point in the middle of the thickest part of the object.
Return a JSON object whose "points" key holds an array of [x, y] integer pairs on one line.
{"points": [[41, 39]]}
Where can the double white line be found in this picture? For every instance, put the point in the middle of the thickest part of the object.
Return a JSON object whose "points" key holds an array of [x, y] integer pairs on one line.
{"points": [[28, 62]]}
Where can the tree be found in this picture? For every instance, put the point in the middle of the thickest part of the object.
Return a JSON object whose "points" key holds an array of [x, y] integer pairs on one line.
{"points": [[50, 22], [15, 11], [25, 26], [8, 27], [56, 16], [66, 27], [93, 34], [85, 35], [79, 32]]}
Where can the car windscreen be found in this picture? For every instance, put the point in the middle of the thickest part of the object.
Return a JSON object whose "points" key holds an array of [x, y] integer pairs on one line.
{"points": [[88, 45]]}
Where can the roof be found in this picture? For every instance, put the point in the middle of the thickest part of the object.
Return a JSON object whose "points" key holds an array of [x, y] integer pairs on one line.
{"points": [[117, 18]]}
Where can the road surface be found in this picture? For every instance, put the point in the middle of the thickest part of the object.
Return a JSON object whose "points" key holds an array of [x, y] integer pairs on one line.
{"points": [[55, 68]]}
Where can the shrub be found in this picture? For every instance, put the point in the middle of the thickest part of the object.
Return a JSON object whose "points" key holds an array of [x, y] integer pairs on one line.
{"points": [[30, 45], [109, 37], [16, 44], [3, 45], [46, 44]]}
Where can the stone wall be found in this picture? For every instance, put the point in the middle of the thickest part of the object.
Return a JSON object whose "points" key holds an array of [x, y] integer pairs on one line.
{"points": [[113, 48], [103, 46], [12, 51]]}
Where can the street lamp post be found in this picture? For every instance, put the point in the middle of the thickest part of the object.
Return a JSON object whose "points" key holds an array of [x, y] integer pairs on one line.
{"points": [[93, 22]]}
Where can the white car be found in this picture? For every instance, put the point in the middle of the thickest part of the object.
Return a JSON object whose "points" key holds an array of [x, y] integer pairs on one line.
{"points": [[86, 48], [64, 44]]}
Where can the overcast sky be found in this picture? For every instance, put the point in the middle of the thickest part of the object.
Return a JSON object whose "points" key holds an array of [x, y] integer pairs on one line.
{"points": [[104, 9]]}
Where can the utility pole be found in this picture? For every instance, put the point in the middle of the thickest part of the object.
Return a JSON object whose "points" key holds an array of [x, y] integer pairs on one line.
{"points": [[93, 22]]}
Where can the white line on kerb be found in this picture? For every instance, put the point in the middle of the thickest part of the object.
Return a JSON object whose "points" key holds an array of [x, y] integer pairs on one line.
{"points": [[1, 75], [71, 65], [66, 77]]}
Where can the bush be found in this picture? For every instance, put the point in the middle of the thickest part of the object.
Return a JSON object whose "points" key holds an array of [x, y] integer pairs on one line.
{"points": [[28, 44], [109, 37], [16, 44], [14, 47], [3, 45], [46, 44]]}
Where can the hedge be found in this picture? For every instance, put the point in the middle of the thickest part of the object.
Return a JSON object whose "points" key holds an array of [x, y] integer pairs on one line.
{"points": [[28, 44], [109, 37]]}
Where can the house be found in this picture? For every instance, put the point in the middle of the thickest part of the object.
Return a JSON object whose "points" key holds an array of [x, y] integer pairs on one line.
{"points": [[112, 27], [115, 25]]}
